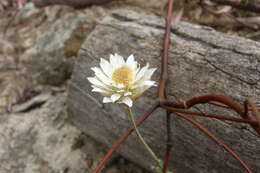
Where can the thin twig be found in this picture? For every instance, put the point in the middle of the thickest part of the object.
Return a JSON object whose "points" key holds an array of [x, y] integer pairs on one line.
{"points": [[116, 145], [216, 140], [212, 97], [246, 108], [168, 142], [163, 81], [205, 99], [164, 64], [255, 112], [225, 106], [20, 3], [220, 117]]}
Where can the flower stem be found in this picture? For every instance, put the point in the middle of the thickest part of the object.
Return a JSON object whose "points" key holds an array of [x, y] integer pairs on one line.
{"points": [[150, 151]]}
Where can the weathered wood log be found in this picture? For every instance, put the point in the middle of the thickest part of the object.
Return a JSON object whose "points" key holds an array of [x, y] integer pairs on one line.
{"points": [[201, 61]]}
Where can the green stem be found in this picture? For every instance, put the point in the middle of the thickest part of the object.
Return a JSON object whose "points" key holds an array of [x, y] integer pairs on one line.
{"points": [[150, 151]]}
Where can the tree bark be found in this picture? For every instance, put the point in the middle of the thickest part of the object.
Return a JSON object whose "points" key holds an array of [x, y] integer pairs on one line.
{"points": [[201, 61]]}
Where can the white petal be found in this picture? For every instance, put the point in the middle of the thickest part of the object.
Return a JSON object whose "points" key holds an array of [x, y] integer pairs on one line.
{"points": [[149, 83], [116, 61], [127, 101], [112, 60], [130, 62], [107, 100], [99, 90], [136, 71], [141, 73], [139, 91], [96, 82], [120, 60], [147, 76], [106, 67], [128, 94], [115, 97], [99, 73], [149, 73]]}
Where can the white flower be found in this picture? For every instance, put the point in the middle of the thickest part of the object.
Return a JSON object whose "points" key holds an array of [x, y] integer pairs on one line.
{"points": [[121, 81]]}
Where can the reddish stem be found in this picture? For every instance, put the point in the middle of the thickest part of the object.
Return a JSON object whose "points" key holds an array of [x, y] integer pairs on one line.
{"points": [[220, 117], [20, 3], [168, 143], [213, 97], [216, 140], [246, 109], [206, 99], [116, 145], [164, 64], [163, 82], [224, 106]]}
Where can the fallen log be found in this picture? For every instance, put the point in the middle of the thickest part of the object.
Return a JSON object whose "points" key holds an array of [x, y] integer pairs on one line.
{"points": [[201, 61]]}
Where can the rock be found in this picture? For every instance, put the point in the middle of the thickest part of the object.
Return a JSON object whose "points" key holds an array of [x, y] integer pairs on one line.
{"points": [[201, 61], [46, 41], [8, 60], [4, 4], [49, 61], [156, 6], [40, 141], [30, 56], [12, 88]]}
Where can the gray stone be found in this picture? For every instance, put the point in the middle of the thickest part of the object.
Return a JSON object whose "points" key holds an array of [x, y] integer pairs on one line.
{"points": [[50, 62], [40, 141], [39, 52], [201, 61]]}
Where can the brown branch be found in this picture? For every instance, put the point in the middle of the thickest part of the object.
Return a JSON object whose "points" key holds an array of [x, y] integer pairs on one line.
{"points": [[216, 116], [205, 99], [20, 3], [255, 112], [116, 145], [168, 142], [224, 106], [164, 79], [213, 97], [216, 140], [246, 108], [164, 64], [250, 5]]}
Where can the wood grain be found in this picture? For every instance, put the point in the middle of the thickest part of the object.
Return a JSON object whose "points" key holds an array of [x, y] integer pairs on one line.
{"points": [[201, 61]]}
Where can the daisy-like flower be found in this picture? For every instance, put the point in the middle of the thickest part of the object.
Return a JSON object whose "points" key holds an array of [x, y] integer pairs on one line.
{"points": [[121, 81]]}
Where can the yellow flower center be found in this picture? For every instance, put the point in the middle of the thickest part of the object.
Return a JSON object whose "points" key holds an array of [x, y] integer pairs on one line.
{"points": [[123, 75]]}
